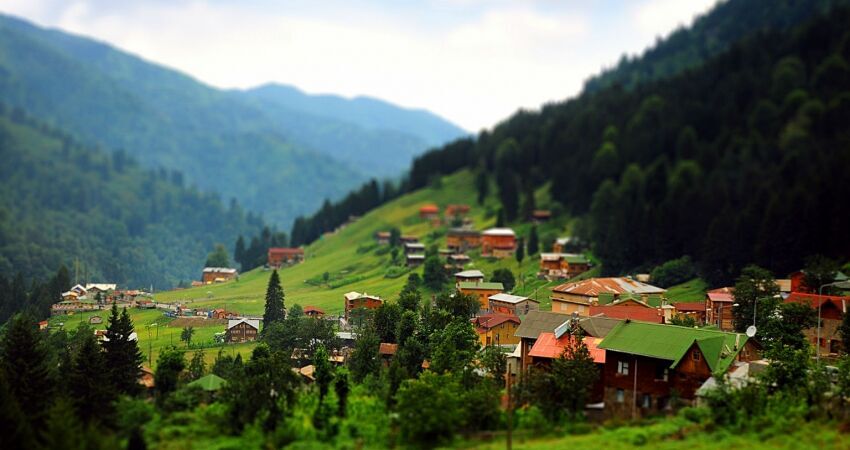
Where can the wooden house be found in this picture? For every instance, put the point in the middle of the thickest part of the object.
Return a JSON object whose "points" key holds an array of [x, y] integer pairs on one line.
{"points": [[695, 310], [551, 345], [281, 256], [629, 312], [482, 291], [502, 303], [498, 242], [356, 300], [496, 329], [43, 325], [414, 248], [414, 259], [534, 323], [312, 311], [469, 276], [242, 330], [646, 364], [462, 239], [456, 211], [429, 212], [541, 215], [221, 314], [563, 265], [832, 310], [457, 261], [405, 239], [718, 307], [387, 353], [382, 237], [579, 296], [218, 274]]}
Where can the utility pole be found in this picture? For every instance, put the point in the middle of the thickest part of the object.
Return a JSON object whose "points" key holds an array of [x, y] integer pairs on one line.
{"points": [[509, 411]]}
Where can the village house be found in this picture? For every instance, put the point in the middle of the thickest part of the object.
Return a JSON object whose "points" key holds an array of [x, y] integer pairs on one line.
{"points": [[356, 300], [221, 314], [469, 276], [646, 364], [43, 325], [242, 330], [579, 296], [382, 237], [798, 282], [95, 320], [413, 248], [534, 323], [429, 212], [280, 256], [551, 345], [511, 304], [567, 244], [387, 353], [628, 312], [414, 260], [312, 311], [71, 305], [832, 310], [695, 310], [218, 274], [462, 239], [408, 239], [457, 211], [563, 265], [496, 329], [718, 307], [541, 215], [498, 242], [455, 262], [104, 289], [80, 290], [481, 291]]}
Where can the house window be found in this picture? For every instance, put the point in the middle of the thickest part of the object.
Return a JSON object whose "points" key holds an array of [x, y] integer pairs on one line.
{"points": [[645, 401], [621, 396], [563, 306], [696, 355], [660, 373], [622, 368]]}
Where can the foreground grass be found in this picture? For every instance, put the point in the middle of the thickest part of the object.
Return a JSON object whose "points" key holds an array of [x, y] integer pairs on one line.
{"points": [[668, 435]]}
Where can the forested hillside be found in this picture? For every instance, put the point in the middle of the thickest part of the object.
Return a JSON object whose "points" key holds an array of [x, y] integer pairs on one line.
{"points": [[710, 34], [740, 160], [61, 202], [255, 146]]}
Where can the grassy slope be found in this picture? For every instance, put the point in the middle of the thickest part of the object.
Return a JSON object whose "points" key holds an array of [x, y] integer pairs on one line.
{"points": [[689, 291], [349, 255]]}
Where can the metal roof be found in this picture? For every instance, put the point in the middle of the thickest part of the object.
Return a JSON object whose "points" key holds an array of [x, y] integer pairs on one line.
{"points": [[470, 274], [536, 322], [594, 286], [499, 232], [508, 298], [482, 285]]}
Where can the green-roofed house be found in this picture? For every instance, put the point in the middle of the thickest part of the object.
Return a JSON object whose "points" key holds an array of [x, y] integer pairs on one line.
{"points": [[646, 363], [556, 266], [480, 290], [209, 383]]}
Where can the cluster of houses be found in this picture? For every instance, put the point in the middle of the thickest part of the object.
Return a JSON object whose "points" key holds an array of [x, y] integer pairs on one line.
{"points": [[93, 296]]}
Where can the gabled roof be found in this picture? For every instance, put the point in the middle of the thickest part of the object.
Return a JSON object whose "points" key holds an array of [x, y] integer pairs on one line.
{"points": [[598, 326], [815, 300], [490, 286], [537, 322], [508, 298], [356, 295], [101, 286], [254, 323], [499, 232], [592, 287], [414, 245], [548, 346], [211, 382], [219, 270], [309, 309], [470, 274], [672, 343], [490, 320], [430, 207], [724, 294], [285, 251]]}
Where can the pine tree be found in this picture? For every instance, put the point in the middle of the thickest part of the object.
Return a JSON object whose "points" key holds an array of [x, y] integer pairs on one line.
{"points": [[341, 388], [520, 250], [323, 371], [533, 241], [275, 307], [24, 362], [91, 392], [239, 253], [123, 357], [197, 366]]}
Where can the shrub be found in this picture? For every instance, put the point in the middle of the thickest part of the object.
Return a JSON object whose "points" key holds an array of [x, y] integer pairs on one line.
{"points": [[673, 272]]}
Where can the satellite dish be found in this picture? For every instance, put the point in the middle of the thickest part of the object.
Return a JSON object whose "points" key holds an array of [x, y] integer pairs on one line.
{"points": [[751, 331]]}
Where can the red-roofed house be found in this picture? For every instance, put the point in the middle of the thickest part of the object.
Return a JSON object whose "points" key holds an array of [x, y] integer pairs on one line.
{"points": [[429, 211], [496, 329], [387, 352], [312, 311], [718, 307], [279, 256], [548, 347], [832, 310], [632, 312], [691, 309]]}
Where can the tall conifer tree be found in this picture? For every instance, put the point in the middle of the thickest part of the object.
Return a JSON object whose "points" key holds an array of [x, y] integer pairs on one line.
{"points": [[275, 308], [123, 357], [24, 362]]}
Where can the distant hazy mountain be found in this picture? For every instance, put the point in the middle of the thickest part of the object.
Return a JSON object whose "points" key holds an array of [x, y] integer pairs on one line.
{"points": [[276, 157]]}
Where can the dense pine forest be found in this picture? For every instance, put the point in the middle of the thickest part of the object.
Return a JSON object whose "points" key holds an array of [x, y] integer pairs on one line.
{"points": [[62, 202], [739, 160]]}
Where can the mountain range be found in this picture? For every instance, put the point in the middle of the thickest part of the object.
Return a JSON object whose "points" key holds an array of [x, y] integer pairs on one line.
{"points": [[262, 146]]}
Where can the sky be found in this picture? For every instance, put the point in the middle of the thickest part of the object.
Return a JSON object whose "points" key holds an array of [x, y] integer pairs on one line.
{"points": [[473, 62]]}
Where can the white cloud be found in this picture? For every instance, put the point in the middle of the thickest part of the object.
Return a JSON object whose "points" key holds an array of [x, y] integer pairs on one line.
{"points": [[660, 17], [473, 63]]}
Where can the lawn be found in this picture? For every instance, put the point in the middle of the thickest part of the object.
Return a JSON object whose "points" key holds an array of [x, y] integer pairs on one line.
{"points": [[689, 291]]}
